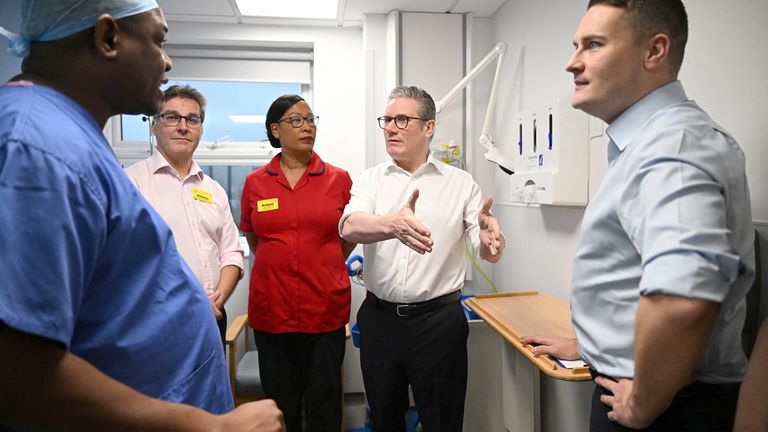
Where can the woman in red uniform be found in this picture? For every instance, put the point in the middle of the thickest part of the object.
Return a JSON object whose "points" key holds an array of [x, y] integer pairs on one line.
{"points": [[299, 292]]}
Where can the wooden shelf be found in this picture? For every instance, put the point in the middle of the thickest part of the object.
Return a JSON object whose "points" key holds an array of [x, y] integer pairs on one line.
{"points": [[516, 314]]}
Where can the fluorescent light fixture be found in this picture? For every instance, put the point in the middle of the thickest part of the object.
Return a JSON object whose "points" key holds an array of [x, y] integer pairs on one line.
{"points": [[248, 119], [315, 9]]}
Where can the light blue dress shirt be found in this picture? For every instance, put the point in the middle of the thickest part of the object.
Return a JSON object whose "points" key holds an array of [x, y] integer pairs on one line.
{"points": [[672, 216]]}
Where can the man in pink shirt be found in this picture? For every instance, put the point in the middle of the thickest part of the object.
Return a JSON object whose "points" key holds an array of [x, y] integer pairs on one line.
{"points": [[194, 205]]}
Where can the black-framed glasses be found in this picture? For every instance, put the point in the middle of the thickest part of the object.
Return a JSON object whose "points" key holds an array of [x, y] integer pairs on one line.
{"points": [[298, 121], [401, 121], [173, 119]]}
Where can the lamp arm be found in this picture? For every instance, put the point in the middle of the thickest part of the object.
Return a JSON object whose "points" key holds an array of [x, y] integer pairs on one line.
{"points": [[492, 97], [497, 51], [493, 154]]}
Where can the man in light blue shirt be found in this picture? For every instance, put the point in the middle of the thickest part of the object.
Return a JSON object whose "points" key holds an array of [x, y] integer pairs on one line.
{"points": [[666, 255]]}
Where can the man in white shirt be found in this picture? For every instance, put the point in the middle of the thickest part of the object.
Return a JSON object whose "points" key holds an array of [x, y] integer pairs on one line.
{"points": [[412, 327], [194, 205]]}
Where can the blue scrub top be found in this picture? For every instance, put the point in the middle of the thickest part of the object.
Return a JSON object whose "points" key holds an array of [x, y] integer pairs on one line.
{"points": [[88, 262]]}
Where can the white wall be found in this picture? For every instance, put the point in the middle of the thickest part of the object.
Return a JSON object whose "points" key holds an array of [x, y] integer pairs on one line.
{"points": [[378, 35], [420, 34], [724, 70], [541, 241]]}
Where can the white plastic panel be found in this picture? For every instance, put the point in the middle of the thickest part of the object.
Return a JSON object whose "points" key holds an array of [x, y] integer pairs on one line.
{"points": [[520, 391], [551, 156]]}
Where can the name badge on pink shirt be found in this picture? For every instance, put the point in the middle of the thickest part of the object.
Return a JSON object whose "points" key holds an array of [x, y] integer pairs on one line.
{"points": [[202, 196]]}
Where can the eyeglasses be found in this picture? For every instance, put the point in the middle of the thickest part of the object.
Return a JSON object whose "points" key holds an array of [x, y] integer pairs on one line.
{"points": [[173, 119], [401, 121], [298, 121]]}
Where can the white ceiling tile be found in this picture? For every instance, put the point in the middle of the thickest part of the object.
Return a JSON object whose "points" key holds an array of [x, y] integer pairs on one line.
{"points": [[221, 11]]}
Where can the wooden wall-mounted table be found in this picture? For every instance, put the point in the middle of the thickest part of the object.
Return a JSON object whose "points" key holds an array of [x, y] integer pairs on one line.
{"points": [[517, 314], [513, 315]]}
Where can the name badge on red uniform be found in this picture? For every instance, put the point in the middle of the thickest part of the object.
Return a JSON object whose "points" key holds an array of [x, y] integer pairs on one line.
{"points": [[267, 205]]}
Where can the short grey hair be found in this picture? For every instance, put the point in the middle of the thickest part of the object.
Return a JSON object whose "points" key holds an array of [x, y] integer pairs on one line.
{"points": [[426, 107]]}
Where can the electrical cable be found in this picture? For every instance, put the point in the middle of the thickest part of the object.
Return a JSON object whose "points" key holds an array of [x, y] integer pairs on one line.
{"points": [[358, 279], [477, 266], [355, 273]]}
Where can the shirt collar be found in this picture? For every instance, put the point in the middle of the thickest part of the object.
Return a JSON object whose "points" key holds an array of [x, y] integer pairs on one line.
{"points": [[157, 163], [631, 122], [316, 165], [432, 164]]}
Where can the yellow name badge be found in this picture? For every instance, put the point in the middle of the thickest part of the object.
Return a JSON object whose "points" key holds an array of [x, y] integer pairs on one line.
{"points": [[267, 205], [202, 195]]}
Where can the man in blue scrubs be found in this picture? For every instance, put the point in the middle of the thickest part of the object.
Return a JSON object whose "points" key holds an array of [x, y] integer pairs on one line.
{"points": [[666, 255], [102, 325]]}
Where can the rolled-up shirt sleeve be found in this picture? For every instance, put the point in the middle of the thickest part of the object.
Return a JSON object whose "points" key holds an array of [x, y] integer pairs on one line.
{"points": [[471, 213], [675, 211], [362, 198], [230, 251]]}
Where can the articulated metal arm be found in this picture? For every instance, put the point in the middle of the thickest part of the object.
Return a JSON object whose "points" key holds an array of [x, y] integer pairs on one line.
{"points": [[493, 154]]}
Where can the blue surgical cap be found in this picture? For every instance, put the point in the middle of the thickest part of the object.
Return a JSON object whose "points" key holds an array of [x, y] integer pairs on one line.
{"points": [[46, 20]]}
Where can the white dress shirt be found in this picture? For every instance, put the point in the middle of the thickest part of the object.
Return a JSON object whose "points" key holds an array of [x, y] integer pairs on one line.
{"points": [[448, 205], [197, 210]]}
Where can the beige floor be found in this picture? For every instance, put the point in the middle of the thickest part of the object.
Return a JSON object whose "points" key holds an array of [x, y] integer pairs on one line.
{"points": [[355, 411]]}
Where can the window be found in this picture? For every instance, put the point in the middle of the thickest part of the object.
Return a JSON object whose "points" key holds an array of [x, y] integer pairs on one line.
{"points": [[239, 83], [232, 179], [235, 113]]}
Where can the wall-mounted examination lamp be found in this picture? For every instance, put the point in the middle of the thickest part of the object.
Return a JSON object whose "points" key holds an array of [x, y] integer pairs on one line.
{"points": [[493, 154]]}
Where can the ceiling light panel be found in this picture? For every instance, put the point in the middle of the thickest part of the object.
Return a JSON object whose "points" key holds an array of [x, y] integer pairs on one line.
{"points": [[313, 9]]}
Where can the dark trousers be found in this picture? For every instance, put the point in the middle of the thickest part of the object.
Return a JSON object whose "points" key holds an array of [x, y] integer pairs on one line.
{"points": [[302, 372], [222, 323], [698, 407], [429, 351]]}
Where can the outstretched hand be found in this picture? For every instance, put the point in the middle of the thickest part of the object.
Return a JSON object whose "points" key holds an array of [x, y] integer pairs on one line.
{"points": [[491, 240], [408, 229]]}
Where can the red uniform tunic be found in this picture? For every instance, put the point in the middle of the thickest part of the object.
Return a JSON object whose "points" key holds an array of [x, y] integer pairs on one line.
{"points": [[299, 281]]}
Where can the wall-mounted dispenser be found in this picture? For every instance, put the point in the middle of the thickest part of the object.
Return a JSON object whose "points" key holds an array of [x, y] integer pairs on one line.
{"points": [[551, 159]]}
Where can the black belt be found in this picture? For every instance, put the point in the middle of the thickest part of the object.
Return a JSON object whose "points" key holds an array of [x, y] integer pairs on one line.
{"points": [[409, 309]]}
